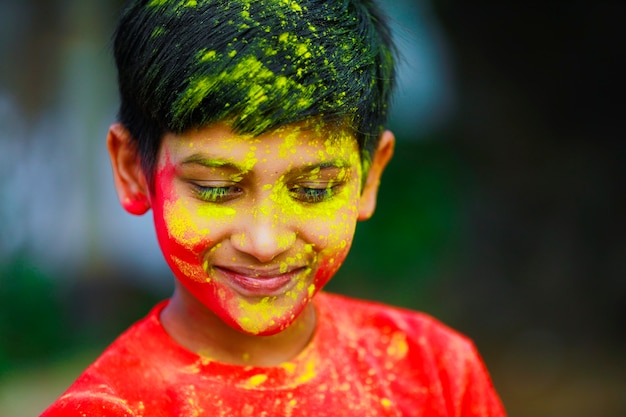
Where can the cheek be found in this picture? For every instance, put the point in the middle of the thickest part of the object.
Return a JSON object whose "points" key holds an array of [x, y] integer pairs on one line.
{"points": [[331, 225], [332, 237], [185, 228]]}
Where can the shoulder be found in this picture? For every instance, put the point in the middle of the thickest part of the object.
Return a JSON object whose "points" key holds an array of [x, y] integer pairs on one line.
{"points": [[427, 342], [422, 356], [419, 327], [85, 403]]}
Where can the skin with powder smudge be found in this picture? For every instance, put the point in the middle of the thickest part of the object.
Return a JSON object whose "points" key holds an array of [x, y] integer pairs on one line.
{"points": [[230, 209]]}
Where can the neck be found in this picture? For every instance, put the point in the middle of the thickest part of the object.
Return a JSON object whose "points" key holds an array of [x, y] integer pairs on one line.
{"points": [[199, 330]]}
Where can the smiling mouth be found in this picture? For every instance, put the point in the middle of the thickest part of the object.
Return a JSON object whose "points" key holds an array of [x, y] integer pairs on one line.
{"points": [[258, 283]]}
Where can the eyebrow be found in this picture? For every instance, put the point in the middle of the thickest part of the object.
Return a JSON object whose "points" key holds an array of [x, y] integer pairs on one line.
{"points": [[334, 163], [209, 162]]}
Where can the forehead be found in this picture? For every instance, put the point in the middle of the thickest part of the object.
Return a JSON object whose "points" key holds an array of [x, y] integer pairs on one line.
{"points": [[290, 142]]}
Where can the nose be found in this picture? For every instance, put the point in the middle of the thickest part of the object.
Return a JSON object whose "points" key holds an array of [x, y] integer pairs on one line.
{"points": [[264, 234]]}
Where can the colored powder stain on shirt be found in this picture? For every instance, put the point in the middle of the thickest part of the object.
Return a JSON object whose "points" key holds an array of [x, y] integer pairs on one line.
{"points": [[289, 367], [398, 347], [256, 380], [309, 373], [192, 406]]}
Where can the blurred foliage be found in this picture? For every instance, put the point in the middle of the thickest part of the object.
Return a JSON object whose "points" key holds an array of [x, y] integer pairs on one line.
{"points": [[44, 318], [32, 323]]}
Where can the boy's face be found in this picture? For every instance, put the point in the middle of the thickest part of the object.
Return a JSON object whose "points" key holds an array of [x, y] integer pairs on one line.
{"points": [[253, 227]]}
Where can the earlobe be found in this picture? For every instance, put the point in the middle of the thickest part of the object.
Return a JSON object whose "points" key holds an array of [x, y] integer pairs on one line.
{"points": [[130, 182], [380, 159]]}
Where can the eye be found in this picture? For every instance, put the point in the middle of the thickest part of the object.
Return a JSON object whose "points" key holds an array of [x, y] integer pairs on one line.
{"points": [[219, 194], [313, 194]]}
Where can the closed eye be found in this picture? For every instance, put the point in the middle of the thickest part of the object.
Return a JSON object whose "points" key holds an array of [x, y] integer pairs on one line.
{"points": [[314, 194], [218, 194]]}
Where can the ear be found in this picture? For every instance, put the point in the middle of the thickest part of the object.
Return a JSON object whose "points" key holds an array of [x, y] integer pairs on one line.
{"points": [[381, 158], [130, 182]]}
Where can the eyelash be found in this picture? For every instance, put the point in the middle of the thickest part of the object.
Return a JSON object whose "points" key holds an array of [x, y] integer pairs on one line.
{"points": [[217, 194], [313, 195], [304, 194]]}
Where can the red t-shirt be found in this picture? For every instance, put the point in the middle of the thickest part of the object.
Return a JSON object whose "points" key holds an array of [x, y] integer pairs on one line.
{"points": [[365, 359]]}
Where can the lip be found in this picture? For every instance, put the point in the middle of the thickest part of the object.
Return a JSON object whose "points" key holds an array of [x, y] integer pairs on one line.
{"points": [[259, 282]]}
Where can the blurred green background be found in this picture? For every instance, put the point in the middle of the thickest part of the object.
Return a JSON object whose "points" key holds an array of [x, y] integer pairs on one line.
{"points": [[501, 214]]}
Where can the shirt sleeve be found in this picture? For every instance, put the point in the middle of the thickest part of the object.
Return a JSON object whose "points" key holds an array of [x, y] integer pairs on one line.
{"points": [[479, 397], [87, 404]]}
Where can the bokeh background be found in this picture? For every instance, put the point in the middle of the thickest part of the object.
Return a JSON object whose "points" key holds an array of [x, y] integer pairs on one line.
{"points": [[502, 213]]}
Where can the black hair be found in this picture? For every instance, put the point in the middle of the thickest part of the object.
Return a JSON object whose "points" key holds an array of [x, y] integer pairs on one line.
{"points": [[258, 64]]}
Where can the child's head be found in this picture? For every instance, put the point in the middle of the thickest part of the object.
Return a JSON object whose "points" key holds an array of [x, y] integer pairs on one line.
{"points": [[257, 64], [254, 130]]}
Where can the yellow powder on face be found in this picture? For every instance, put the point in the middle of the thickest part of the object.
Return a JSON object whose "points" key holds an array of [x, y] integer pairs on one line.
{"points": [[290, 142], [180, 224], [215, 212], [283, 201], [385, 402], [256, 317], [250, 161], [191, 271]]}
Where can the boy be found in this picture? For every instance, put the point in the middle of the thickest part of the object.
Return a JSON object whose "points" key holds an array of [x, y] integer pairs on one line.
{"points": [[253, 130]]}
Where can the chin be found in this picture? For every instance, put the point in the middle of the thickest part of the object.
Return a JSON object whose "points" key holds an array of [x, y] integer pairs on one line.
{"points": [[265, 325]]}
